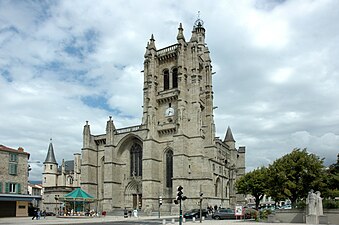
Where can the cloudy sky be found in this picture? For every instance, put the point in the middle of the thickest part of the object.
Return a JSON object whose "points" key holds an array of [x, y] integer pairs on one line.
{"points": [[65, 62]]}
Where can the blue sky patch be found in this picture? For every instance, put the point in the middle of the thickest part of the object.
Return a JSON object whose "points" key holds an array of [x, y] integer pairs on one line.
{"points": [[5, 74], [96, 102]]}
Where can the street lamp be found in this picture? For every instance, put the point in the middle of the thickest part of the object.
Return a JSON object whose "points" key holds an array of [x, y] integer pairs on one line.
{"points": [[56, 197], [160, 203]]}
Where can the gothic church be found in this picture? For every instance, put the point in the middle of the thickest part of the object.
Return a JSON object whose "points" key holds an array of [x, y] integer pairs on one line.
{"points": [[175, 143]]}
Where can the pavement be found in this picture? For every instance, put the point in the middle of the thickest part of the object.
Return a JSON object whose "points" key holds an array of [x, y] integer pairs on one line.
{"points": [[168, 221]]}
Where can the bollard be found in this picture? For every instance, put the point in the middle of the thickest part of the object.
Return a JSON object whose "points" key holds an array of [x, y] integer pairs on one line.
{"points": [[173, 220], [193, 219], [203, 218], [184, 220], [163, 222]]}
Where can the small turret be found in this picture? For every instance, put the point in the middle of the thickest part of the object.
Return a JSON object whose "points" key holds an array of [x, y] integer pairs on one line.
{"points": [[229, 140], [180, 36], [86, 136], [147, 52], [50, 168], [50, 158], [110, 130], [199, 30], [152, 44]]}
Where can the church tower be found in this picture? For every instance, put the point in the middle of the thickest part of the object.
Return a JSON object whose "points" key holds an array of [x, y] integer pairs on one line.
{"points": [[175, 144], [178, 112], [50, 168]]}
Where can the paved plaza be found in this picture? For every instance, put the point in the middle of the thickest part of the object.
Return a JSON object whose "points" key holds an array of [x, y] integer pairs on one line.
{"points": [[55, 220]]}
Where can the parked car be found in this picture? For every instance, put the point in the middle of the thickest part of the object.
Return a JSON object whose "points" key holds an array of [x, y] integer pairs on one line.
{"points": [[224, 214], [195, 213], [286, 206]]}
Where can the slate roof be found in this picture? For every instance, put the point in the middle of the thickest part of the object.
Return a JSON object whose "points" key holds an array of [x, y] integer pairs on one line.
{"points": [[229, 135], [50, 158]]}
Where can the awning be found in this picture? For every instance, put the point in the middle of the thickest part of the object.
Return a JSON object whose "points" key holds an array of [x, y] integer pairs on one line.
{"points": [[16, 197]]}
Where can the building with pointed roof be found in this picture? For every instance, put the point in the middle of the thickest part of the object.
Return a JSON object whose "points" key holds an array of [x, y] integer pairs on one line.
{"points": [[58, 180]]}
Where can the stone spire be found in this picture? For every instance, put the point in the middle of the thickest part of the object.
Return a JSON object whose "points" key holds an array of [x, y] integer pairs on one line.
{"points": [[110, 131], [229, 135], [50, 158], [147, 52], [180, 35], [86, 136], [152, 43], [110, 125]]}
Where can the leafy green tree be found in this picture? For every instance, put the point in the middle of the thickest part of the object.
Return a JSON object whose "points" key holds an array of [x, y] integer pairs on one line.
{"points": [[332, 180], [294, 175], [253, 183], [275, 182]]}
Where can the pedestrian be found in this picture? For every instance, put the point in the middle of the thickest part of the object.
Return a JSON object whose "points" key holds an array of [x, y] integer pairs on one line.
{"points": [[38, 215], [44, 214], [35, 213]]}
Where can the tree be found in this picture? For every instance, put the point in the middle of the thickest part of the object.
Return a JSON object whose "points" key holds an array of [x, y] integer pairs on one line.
{"points": [[253, 183], [275, 182], [332, 180], [294, 175]]}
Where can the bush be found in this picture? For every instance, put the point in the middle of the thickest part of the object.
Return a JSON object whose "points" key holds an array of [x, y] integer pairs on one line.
{"points": [[264, 213], [330, 204], [300, 204]]}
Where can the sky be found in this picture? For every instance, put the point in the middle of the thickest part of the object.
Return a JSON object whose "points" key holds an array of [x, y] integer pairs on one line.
{"points": [[66, 62]]}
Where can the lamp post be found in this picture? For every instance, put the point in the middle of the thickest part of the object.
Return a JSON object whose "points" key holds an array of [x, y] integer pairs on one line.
{"points": [[160, 203], [201, 198], [56, 197]]}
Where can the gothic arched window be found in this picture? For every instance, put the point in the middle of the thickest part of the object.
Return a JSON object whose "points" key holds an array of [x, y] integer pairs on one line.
{"points": [[217, 186], [136, 160], [70, 180], [166, 80], [175, 77], [169, 168]]}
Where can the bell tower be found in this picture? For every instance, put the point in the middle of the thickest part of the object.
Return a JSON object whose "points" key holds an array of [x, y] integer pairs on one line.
{"points": [[178, 97], [178, 114]]}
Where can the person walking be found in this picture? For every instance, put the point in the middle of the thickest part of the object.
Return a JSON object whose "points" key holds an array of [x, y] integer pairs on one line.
{"points": [[38, 214], [35, 214]]}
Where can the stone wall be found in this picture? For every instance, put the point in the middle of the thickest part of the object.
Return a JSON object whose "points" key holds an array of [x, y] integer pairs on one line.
{"points": [[331, 216]]}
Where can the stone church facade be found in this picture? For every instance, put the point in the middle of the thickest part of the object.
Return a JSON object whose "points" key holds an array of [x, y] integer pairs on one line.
{"points": [[175, 143]]}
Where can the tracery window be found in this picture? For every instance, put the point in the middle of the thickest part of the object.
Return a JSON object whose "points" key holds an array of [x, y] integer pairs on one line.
{"points": [[166, 80], [136, 160], [169, 168], [175, 77], [217, 186]]}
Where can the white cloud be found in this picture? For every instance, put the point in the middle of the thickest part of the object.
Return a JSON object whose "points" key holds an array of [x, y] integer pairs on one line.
{"points": [[276, 63]]}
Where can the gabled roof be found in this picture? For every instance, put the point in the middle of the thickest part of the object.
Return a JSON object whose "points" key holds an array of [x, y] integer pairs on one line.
{"points": [[8, 149], [50, 158]]}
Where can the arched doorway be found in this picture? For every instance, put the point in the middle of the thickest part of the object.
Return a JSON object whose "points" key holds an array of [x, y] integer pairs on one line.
{"points": [[133, 194]]}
